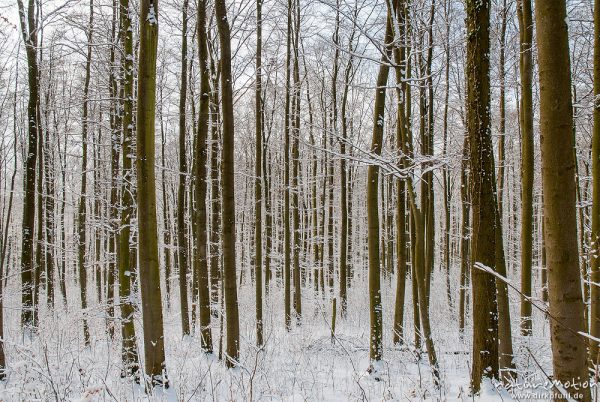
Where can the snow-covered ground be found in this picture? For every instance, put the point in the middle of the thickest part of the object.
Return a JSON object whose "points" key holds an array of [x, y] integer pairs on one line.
{"points": [[301, 365]]}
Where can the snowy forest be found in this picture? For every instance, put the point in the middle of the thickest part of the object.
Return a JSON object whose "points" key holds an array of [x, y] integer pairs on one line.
{"points": [[299, 200]]}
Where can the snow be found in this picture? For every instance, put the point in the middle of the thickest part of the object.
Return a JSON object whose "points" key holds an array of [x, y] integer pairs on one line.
{"points": [[151, 18], [303, 364]]}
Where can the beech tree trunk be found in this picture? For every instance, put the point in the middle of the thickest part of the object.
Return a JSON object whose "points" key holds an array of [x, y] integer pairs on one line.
{"points": [[376, 346], [595, 236], [200, 179], [125, 263], [258, 261], [228, 183], [29, 31], [82, 208], [558, 179], [149, 274], [182, 232], [482, 189], [526, 116]]}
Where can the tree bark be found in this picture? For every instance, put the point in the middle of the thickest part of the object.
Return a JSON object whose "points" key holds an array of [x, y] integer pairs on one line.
{"points": [[29, 32], [558, 180], [227, 171], [200, 181], [182, 232], [483, 199], [129, 352], [82, 208], [258, 261], [527, 162], [595, 236], [149, 274], [375, 308]]}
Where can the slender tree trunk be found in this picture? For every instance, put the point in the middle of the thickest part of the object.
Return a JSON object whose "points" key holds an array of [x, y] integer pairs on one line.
{"points": [[464, 236], [502, 129], [445, 174], [182, 233], [115, 145], [286, 177], [81, 211], [428, 200], [595, 237], [526, 116], [200, 181], [129, 352], [166, 210], [376, 346], [29, 33], [401, 134], [268, 213], [228, 233], [296, 167], [558, 179], [39, 262], [49, 202], [344, 183], [215, 215], [258, 261]]}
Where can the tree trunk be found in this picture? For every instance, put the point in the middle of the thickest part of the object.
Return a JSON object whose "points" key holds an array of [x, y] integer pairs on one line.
{"points": [[464, 236], [201, 153], [258, 263], [401, 61], [115, 145], [595, 237], [215, 179], [149, 274], [286, 177], [558, 180], [344, 182], [28, 23], [228, 183], [81, 210], [129, 352], [526, 116], [375, 312], [295, 125], [182, 232], [483, 199]]}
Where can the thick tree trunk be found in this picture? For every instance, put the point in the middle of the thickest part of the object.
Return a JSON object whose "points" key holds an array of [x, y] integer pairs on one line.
{"points": [[483, 199], [149, 274], [558, 179]]}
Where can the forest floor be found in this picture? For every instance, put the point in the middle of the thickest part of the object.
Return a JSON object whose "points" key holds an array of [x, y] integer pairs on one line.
{"points": [[301, 365]]}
